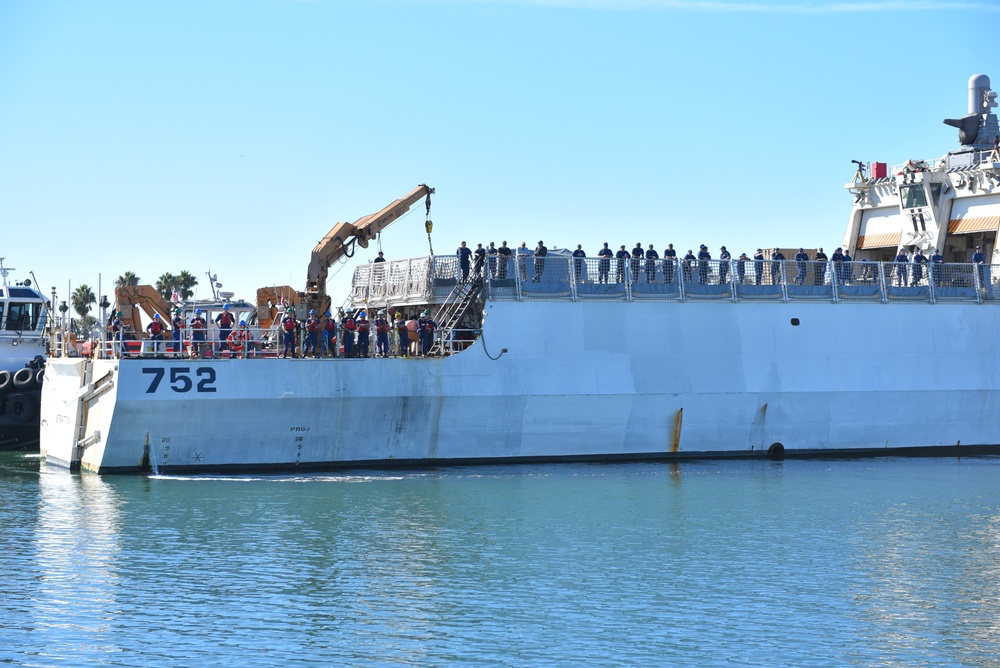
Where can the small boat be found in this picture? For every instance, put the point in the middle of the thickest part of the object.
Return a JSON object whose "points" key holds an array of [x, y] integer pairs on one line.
{"points": [[23, 314], [885, 347]]}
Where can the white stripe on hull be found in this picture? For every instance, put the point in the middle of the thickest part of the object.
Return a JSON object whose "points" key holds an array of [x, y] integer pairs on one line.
{"points": [[578, 380]]}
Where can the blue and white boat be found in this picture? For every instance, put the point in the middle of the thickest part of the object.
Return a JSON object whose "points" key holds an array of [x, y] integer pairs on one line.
{"points": [[584, 359], [22, 358]]}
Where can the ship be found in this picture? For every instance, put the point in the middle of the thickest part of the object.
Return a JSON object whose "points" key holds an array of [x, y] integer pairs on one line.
{"points": [[883, 348], [23, 316]]}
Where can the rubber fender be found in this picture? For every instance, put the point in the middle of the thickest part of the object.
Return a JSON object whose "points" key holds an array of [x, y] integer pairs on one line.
{"points": [[5, 381], [39, 377], [21, 408], [776, 451], [24, 378]]}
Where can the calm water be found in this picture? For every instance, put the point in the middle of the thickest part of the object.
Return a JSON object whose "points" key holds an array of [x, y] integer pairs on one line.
{"points": [[890, 562]]}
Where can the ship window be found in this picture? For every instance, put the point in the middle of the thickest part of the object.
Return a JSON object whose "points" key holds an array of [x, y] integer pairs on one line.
{"points": [[21, 316], [912, 196], [936, 193]]}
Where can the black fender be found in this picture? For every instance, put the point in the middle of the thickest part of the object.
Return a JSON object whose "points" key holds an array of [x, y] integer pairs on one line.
{"points": [[21, 408]]}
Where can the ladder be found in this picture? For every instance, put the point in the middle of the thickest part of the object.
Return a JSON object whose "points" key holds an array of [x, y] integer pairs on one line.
{"points": [[454, 308]]}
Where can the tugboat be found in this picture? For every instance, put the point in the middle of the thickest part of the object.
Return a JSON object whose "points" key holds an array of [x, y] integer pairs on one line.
{"points": [[23, 314]]}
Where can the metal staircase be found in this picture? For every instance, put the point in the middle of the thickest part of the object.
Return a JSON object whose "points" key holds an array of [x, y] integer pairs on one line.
{"points": [[454, 308]]}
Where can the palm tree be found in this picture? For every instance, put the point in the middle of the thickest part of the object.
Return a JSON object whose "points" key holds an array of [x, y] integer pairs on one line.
{"points": [[186, 282], [128, 278], [83, 297], [165, 285]]}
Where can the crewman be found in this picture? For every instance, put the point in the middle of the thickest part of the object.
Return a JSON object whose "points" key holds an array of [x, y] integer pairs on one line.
{"points": [[724, 258], [651, 257], [758, 266], [198, 326], [741, 268], [239, 341], [312, 335], [478, 261], [979, 259], [364, 334], [578, 258], [288, 325], [937, 260], [503, 257], [381, 335], [491, 260], [225, 322], [687, 263], [704, 257], [637, 255], [464, 253], [426, 327], [155, 330], [329, 335], [403, 333], [604, 264], [118, 335], [800, 262], [177, 331], [540, 252], [777, 259], [819, 269], [901, 261], [669, 263], [919, 260], [622, 256], [348, 326]]}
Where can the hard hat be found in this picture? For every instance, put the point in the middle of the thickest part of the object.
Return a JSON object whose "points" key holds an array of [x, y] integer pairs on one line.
{"points": [[362, 314], [312, 312], [156, 316], [399, 315], [119, 313], [177, 311], [327, 314], [427, 312], [225, 307], [381, 312], [197, 311], [243, 323], [350, 310]]}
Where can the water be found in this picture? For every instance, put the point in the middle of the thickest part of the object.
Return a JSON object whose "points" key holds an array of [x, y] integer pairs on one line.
{"points": [[890, 562]]}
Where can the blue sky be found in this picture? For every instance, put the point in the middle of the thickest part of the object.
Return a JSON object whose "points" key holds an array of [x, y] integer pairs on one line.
{"points": [[155, 136]]}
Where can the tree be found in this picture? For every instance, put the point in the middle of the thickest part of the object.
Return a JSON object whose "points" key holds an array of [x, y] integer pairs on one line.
{"points": [[165, 285], [128, 278], [83, 298], [187, 281]]}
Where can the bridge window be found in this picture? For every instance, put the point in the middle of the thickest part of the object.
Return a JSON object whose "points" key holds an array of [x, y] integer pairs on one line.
{"points": [[913, 196], [22, 316]]}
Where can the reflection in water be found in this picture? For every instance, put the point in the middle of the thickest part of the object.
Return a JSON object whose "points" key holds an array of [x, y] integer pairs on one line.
{"points": [[77, 552]]}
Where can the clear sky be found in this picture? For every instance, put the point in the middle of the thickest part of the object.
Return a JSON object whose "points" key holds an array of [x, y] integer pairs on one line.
{"points": [[159, 136]]}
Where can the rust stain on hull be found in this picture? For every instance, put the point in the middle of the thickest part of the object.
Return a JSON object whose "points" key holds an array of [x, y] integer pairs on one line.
{"points": [[675, 443]]}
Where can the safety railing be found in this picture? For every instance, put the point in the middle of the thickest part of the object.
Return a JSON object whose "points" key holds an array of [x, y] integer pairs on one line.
{"points": [[744, 279]]}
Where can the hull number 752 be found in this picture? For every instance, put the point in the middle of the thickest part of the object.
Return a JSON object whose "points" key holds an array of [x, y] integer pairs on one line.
{"points": [[181, 380]]}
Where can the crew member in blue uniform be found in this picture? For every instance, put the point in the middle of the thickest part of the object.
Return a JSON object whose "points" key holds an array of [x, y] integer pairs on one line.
{"points": [[491, 260], [901, 262], [637, 255], [464, 254], [198, 327], [348, 327], [604, 264], [177, 331], [578, 256], [426, 327], [118, 334], [503, 258], [155, 330], [687, 264], [329, 335], [777, 259], [651, 257], [478, 261], [622, 257], [703, 259], [288, 325], [540, 252], [724, 258], [919, 260], [819, 269], [979, 259], [937, 260], [846, 267], [312, 335], [741, 268], [225, 322], [669, 262], [364, 334], [800, 262], [381, 335], [758, 266]]}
